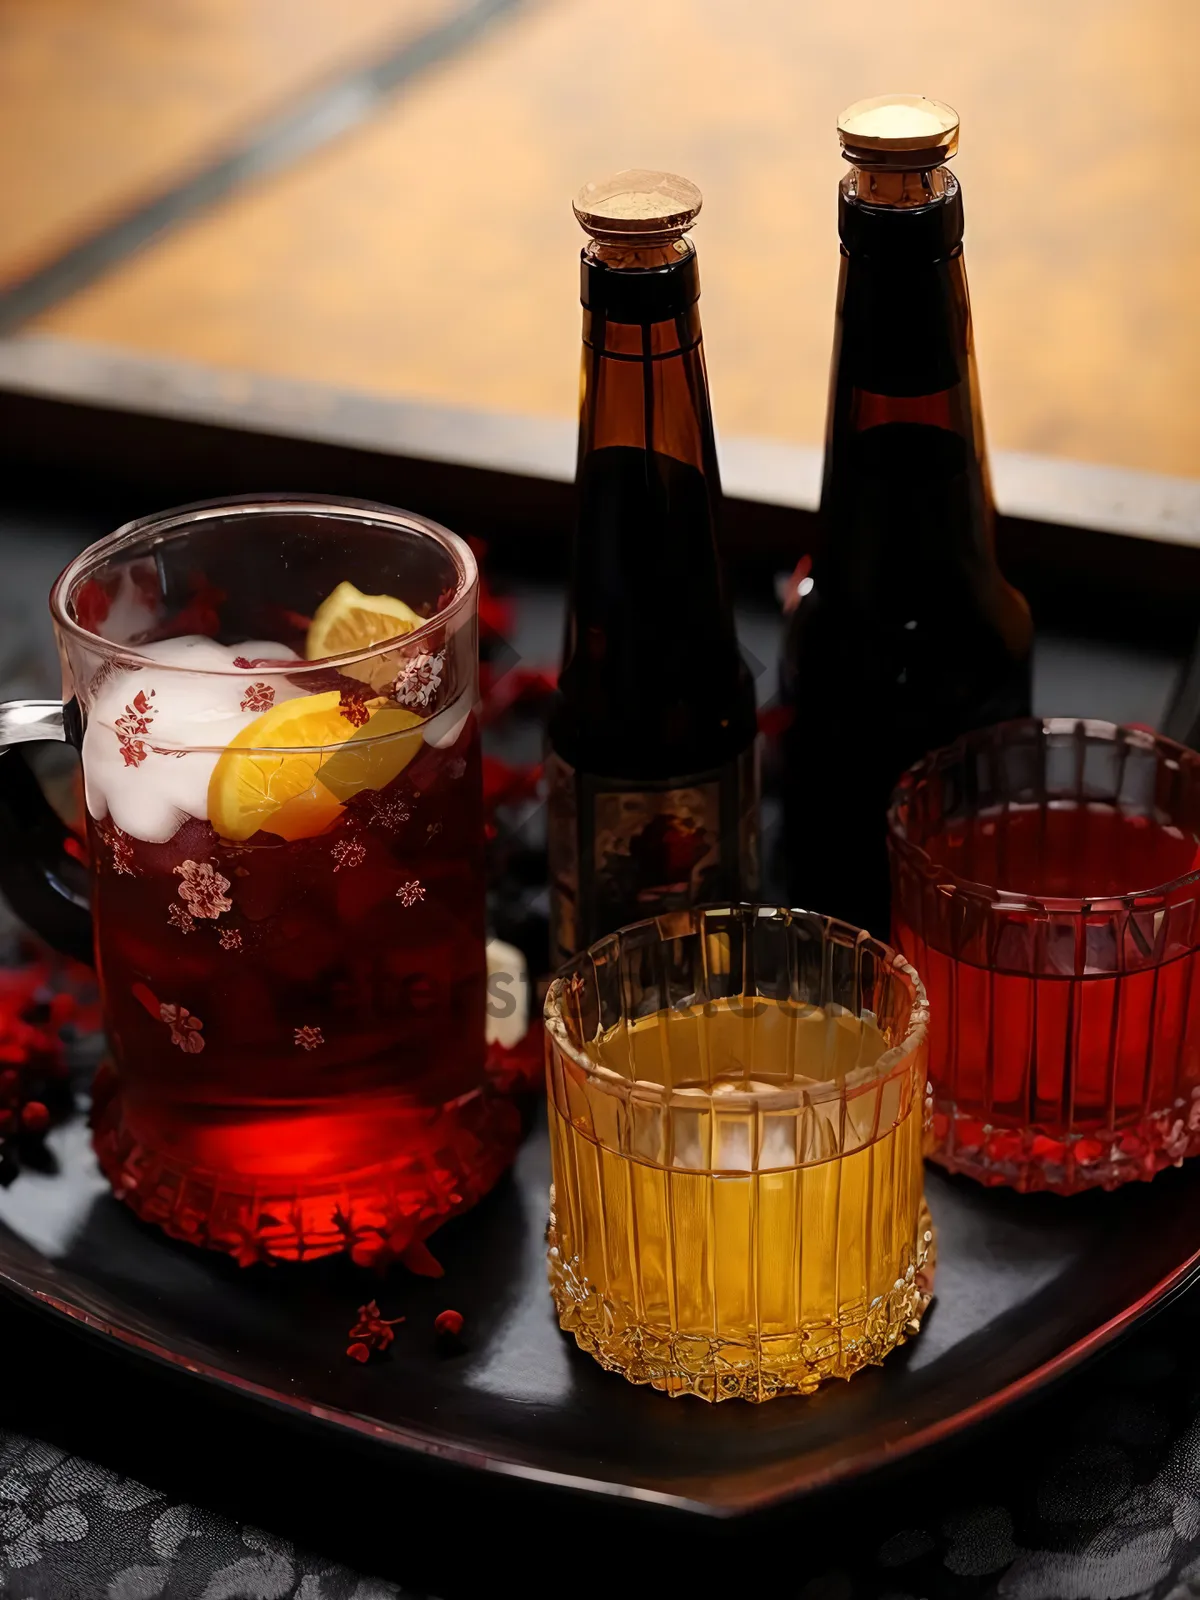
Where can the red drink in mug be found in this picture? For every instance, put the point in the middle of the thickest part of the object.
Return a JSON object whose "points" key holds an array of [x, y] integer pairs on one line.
{"points": [[277, 703]]}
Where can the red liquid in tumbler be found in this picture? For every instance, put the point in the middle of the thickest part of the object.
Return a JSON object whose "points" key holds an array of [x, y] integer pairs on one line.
{"points": [[1083, 1057]]}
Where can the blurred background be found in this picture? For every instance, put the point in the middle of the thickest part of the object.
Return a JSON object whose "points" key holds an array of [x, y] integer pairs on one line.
{"points": [[350, 221], [375, 194]]}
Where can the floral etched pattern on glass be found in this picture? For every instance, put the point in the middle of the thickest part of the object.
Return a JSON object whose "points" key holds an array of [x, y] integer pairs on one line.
{"points": [[1046, 884], [737, 1107], [287, 874]]}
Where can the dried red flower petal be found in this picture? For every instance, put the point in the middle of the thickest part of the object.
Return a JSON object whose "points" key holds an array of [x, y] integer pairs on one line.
{"points": [[372, 1332], [448, 1324], [31, 1058], [359, 1352]]}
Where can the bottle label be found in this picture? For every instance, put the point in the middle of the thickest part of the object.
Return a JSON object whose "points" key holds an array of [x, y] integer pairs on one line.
{"points": [[621, 850]]}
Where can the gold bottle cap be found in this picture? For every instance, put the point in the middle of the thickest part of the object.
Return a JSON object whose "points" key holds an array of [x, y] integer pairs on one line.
{"points": [[638, 207], [898, 130]]}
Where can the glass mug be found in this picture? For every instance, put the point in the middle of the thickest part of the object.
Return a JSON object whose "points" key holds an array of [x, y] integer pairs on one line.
{"points": [[285, 890]]}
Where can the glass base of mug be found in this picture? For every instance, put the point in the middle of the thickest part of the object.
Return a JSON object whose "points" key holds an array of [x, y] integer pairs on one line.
{"points": [[373, 1214], [755, 1369], [1034, 1159]]}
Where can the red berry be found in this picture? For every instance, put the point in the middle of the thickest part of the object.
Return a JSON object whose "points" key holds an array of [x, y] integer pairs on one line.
{"points": [[35, 1118], [359, 1352], [448, 1323]]}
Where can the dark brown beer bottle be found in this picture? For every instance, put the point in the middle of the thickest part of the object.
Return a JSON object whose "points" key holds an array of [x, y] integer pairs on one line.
{"points": [[653, 789], [905, 634]]}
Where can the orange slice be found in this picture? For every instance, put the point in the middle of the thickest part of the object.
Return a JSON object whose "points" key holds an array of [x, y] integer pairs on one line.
{"points": [[349, 620], [375, 753], [291, 770]]}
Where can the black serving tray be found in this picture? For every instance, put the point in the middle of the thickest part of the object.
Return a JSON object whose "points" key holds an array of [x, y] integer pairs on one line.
{"points": [[1026, 1287]]}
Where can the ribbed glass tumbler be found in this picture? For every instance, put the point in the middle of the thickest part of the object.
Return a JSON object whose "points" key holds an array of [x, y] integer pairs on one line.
{"points": [[1046, 884], [737, 1106]]}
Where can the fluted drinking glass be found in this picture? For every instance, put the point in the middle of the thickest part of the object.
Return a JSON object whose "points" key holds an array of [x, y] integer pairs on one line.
{"points": [[737, 1104], [1046, 884]]}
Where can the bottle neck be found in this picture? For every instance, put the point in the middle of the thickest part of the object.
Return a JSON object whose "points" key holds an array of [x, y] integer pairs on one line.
{"points": [[901, 217], [644, 385], [904, 402], [647, 580], [898, 190]]}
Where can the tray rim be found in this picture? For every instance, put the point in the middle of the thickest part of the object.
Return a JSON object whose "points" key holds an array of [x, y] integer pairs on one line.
{"points": [[727, 1506]]}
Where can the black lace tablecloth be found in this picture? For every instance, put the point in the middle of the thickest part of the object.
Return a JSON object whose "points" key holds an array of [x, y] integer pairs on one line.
{"points": [[1089, 1492], [70, 1528]]}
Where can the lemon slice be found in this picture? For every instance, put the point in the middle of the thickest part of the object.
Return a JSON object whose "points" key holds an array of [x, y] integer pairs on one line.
{"points": [[291, 770], [350, 620], [374, 754]]}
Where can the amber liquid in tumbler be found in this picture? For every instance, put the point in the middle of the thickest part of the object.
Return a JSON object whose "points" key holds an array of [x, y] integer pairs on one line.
{"points": [[909, 634], [653, 784], [800, 1273]]}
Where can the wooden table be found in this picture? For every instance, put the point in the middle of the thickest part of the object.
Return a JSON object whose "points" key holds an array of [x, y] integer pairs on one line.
{"points": [[428, 253]]}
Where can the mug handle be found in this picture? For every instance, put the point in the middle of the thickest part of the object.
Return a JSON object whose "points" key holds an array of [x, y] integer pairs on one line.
{"points": [[46, 886]]}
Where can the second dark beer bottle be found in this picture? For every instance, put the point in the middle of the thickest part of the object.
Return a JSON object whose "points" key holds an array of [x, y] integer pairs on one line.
{"points": [[653, 790], [905, 634]]}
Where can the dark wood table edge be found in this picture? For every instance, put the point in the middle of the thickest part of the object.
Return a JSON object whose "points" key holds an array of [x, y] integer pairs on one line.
{"points": [[1116, 550]]}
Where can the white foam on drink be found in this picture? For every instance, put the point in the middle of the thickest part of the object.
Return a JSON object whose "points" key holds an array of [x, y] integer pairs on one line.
{"points": [[192, 716], [150, 798]]}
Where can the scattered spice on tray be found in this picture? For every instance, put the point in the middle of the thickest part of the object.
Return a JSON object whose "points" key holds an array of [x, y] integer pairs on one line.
{"points": [[372, 1333], [33, 1069]]}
